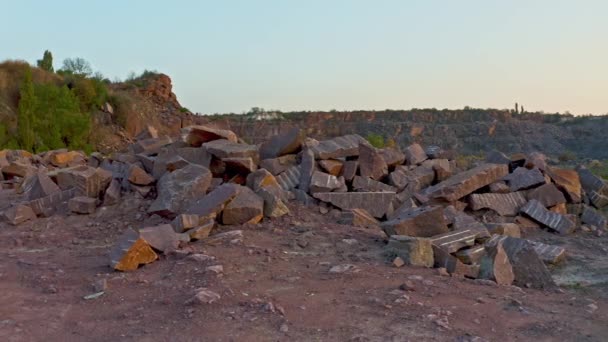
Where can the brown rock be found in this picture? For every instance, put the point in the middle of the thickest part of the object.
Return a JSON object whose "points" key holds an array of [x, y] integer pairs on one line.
{"points": [[568, 181], [350, 169], [274, 206], [555, 221], [39, 185], [412, 250], [358, 218], [371, 162], [548, 253], [332, 166], [130, 251], [184, 222], [508, 229], [66, 158], [282, 144], [261, 178], [548, 195], [18, 169], [370, 185], [177, 189], [162, 238], [215, 201], [307, 168], [228, 149], [290, 179], [392, 156], [149, 146], [452, 242], [452, 265], [203, 230], [376, 203], [466, 182], [278, 165], [242, 166], [113, 194], [471, 255], [414, 154], [86, 180], [500, 187], [323, 182], [495, 265], [419, 222], [593, 217], [138, 176], [198, 135], [504, 204], [18, 214], [523, 178], [340, 147], [246, 207], [398, 262], [82, 205]]}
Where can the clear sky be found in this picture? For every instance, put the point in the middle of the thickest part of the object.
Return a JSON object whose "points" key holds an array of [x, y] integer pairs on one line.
{"points": [[229, 56]]}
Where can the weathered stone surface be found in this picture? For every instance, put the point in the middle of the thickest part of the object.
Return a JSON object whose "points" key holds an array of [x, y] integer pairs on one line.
{"points": [[548, 195], [177, 189], [138, 176], [162, 238], [595, 187], [371, 162], [392, 156], [593, 217], [278, 165], [442, 167], [82, 205], [567, 181], [18, 169], [332, 166], [307, 167], [414, 251], [323, 182], [66, 158], [340, 147], [195, 155], [113, 194], [203, 230], [18, 214], [466, 222], [497, 157], [526, 223], [504, 204], [466, 182], [560, 209], [451, 242], [149, 146], [197, 135], [528, 268], [495, 265], [370, 185], [499, 187], [443, 259], [282, 144], [130, 251], [419, 222], [536, 160], [46, 206], [86, 180], [39, 185], [215, 201], [246, 207], [274, 206], [398, 179], [471, 255], [242, 166], [523, 178], [184, 222], [261, 178], [350, 170], [548, 253], [227, 149], [376, 203], [167, 161], [555, 221], [508, 229], [599, 200], [358, 218], [414, 154]]}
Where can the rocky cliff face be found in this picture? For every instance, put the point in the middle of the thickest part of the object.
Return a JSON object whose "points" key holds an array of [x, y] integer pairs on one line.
{"points": [[468, 131]]}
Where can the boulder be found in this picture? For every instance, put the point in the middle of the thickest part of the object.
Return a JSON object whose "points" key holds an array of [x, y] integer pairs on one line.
{"points": [[307, 167], [508, 229], [466, 182], [548, 195], [274, 206], [130, 251], [39, 185], [358, 218], [548, 253], [367, 184], [414, 154], [497, 157], [66, 158], [522, 179], [340, 147], [113, 193], [414, 251], [246, 207], [371, 162], [82, 205], [162, 238], [495, 265], [195, 155], [228, 149], [376, 203], [471, 255], [560, 223], [594, 186], [46, 206], [18, 169], [203, 230], [419, 222], [149, 146], [86, 180], [443, 259], [18, 214], [392, 156], [593, 217], [500, 187], [323, 182], [177, 189], [280, 164], [239, 165], [350, 170], [504, 204], [215, 201], [536, 160], [567, 181], [332, 166], [197, 135], [452, 242], [184, 222], [282, 144], [167, 161], [138, 176], [290, 179]]}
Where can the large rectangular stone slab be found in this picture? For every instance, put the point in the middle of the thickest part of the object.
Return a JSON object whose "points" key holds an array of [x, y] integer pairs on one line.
{"points": [[550, 254], [504, 204], [453, 241], [291, 178], [376, 203], [464, 183], [567, 181], [523, 178], [555, 221], [340, 147], [370, 185], [419, 222]]}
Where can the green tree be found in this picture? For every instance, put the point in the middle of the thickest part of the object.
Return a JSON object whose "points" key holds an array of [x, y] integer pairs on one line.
{"points": [[46, 63], [76, 66], [25, 117]]}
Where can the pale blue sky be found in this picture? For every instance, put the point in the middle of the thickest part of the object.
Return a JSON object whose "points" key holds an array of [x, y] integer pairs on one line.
{"points": [[228, 56]]}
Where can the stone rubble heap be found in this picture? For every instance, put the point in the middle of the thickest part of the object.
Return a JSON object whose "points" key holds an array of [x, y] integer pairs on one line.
{"points": [[471, 223]]}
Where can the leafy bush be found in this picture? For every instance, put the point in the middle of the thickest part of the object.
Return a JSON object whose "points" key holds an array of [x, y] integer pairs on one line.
{"points": [[376, 140], [46, 63]]}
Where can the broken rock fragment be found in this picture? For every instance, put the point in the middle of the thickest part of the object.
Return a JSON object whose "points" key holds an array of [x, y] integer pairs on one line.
{"points": [[466, 182], [130, 251], [162, 238], [548, 253], [197, 135], [215, 201], [359, 218], [371, 162], [324, 182], [332, 166], [593, 217], [504, 204], [414, 251], [495, 265], [568, 181], [560, 223], [340, 147], [414, 154], [82, 205], [420, 222], [376, 203], [282, 144], [246, 207], [18, 214], [522, 179], [548, 195]]}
